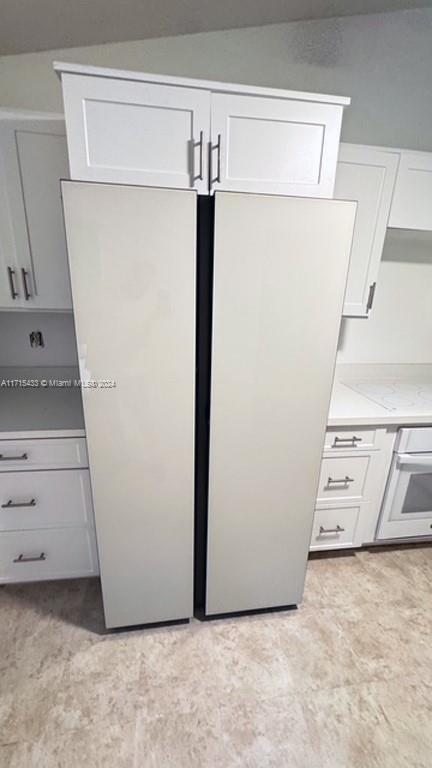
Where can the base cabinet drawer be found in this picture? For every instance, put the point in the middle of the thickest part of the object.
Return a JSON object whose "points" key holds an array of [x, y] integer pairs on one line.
{"points": [[52, 499], [335, 528], [54, 453], [342, 478], [352, 439], [47, 554]]}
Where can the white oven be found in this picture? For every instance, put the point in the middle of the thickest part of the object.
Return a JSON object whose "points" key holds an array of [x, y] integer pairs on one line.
{"points": [[407, 505]]}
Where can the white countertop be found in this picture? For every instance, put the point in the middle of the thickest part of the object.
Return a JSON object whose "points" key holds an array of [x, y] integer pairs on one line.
{"points": [[43, 411], [348, 407]]}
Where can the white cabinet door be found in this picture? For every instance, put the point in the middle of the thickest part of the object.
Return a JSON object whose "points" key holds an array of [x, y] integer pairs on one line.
{"points": [[367, 175], [132, 260], [276, 316], [130, 132], [412, 201], [279, 146], [33, 160]]}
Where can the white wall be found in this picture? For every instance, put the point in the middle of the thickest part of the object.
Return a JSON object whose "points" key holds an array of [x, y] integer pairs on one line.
{"points": [[58, 333], [383, 61], [399, 329]]}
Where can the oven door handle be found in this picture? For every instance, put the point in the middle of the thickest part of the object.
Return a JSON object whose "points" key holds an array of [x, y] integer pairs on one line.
{"points": [[411, 459]]}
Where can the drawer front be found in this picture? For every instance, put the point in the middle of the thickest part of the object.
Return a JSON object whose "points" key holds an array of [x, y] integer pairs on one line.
{"points": [[55, 453], [333, 528], [57, 553], [342, 477], [351, 439], [30, 500]]}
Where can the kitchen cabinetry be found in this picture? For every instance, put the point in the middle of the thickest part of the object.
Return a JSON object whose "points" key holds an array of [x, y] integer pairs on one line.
{"points": [[133, 128], [367, 175], [33, 260], [46, 512], [353, 476], [412, 201]]}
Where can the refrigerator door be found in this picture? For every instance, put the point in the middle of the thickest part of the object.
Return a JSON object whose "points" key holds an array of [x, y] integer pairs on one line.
{"points": [[280, 268], [132, 264]]}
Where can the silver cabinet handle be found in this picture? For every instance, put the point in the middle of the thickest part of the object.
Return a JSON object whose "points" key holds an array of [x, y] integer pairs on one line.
{"points": [[337, 480], [12, 504], [22, 457], [338, 529], [371, 297], [11, 273], [27, 293], [341, 441], [217, 147], [30, 558], [200, 144]]}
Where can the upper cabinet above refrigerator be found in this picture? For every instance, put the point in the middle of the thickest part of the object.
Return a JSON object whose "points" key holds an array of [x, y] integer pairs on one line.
{"points": [[152, 130], [412, 201]]}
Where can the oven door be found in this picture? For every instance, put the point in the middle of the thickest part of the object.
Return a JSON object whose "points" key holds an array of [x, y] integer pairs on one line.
{"points": [[407, 507]]}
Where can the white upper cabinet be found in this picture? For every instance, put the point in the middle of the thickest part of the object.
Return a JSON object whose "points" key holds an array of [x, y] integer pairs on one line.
{"points": [[412, 201], [133, 128], [367, 175], [137, 133], [278, 146], [33, 261]]}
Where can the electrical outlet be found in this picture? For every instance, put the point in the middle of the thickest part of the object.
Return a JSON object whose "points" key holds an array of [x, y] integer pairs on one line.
{"points": [[36, 339]]}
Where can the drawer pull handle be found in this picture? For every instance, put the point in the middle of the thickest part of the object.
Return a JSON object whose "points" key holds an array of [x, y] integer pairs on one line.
{"points": [[22, 457], [339, 442], [30, 558], [338, 480], [338, 529], [9, 504]]}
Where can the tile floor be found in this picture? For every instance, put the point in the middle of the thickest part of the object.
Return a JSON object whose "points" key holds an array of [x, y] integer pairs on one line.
{"points": [[343, 682]]}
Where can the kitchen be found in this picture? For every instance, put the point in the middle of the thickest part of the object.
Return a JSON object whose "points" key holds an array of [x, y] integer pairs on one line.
{"points": [[362, 484]]}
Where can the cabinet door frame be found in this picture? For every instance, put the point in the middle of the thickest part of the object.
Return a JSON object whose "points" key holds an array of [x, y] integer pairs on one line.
{"points": [[14, 222], [327, 117], [78, 89], [415, 170], [356, 154]]}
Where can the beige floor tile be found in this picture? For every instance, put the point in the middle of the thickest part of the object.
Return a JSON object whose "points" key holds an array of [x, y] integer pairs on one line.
{"points": [[108, 745], [268, 734], [180, 740]]}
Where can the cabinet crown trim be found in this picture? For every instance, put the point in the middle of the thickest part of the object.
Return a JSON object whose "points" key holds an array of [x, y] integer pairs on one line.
{"points": [[210, 85]]}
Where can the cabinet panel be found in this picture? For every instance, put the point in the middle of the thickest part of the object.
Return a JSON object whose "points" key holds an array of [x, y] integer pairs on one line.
{"points": [[52, 553], [412, 201], [33, 160], [335, 528], [56, 453], [366, 175], [50, 499], [137, 133], [279, 146], [133, 248]]}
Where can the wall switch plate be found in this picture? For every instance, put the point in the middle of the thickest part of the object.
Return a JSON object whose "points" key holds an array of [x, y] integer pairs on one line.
{"points": [[36, 339]]}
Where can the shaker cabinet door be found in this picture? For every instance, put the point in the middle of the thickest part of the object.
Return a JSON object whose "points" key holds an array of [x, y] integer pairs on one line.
{"points": [[366, 175], [130, 132], [33, 158], [277, 146], [412, 201]]}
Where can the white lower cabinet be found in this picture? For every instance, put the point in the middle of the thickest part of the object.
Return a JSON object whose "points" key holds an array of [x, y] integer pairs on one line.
{"points": [[335, 527], [49, 553], [46, 513], [353, 477]]}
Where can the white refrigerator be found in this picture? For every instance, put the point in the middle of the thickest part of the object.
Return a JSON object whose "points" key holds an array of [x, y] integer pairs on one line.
{"points": [[216, 318]]}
